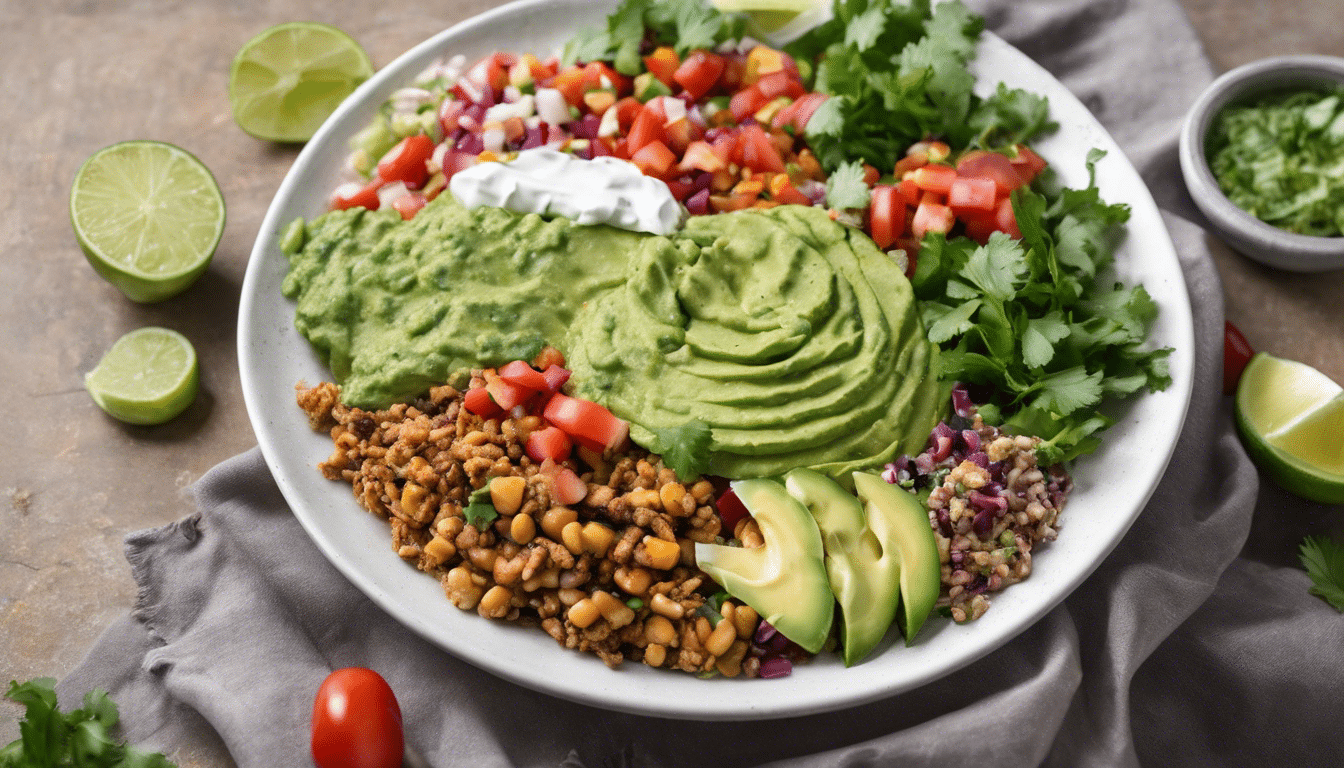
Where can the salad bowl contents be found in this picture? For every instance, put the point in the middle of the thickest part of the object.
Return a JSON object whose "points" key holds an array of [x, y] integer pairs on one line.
{"points": [[738, 433]]}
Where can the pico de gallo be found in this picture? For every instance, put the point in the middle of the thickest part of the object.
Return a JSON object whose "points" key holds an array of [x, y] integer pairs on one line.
{"points": [[724, 129]]}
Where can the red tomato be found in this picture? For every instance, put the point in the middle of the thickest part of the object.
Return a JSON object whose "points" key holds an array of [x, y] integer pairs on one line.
{"points": [[747, 102], [654, 159], [505, 394], [731, 510], [886, 216], [699, 72], [356, 722], [977, 194], [932, 217], [700, 157], [935, 178], [478, 401], [409, 204], [1237, 353], [353, 193], [406, 161], [591, 425], [555, 376], [983, 164], [523, 375], [758, 151], [548, 443], [1005, 220], [778, 84], [646, 129], [663, 63], [1028, 164]]}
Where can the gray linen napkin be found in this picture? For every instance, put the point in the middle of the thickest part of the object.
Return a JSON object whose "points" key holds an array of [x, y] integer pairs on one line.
{"points": [[1174, 652]]}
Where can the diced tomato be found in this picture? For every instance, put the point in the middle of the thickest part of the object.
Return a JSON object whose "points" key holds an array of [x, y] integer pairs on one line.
{"points": [[731, 511], [590, 424], [935, 178], [680, 134], [477, 400], [449, 113], [870, 174], [353, 194], [409, 204], [983, 164], [406, 161], [663, 63], [646, 129], [555, 376], [505, 394], [654, 159], [909, 191], [570, 83], [699, 72], [626, 109], [567, 488], [757, 152], [778, 84], [747, 102], [598, 102], [700, 156], [909, 163], [493, 71], [762, 60], [1028, 164], [680, 188], [886, 215], [783, 191], [1005, 220], [1237, 352], [548, 443], [977, 194], [521, 374], [807, 105], [932, 217], [728, 203]]}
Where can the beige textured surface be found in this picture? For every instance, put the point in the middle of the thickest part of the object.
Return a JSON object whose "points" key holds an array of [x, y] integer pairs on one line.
{"points": [[78, 76]]}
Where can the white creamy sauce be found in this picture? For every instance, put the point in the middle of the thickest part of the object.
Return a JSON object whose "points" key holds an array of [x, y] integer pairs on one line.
{"points": [[604, 190]]}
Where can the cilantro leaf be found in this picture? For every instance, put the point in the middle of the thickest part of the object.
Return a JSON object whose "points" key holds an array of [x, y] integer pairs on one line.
{"points": [[480, 510], [846, 188], [82, 736], [684, 24], [685, 449], [1324, 561]]}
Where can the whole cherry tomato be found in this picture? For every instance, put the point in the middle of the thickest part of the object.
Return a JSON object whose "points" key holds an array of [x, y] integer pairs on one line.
{"points": [[1237, 353], [356, 722]]}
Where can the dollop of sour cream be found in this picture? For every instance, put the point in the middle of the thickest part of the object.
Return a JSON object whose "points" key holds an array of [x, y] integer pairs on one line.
{"points": [[604, 190]]}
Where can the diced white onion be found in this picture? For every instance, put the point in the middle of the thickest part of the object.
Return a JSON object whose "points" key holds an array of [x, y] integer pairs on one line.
{"points": [[390, 192], [551, 106]]}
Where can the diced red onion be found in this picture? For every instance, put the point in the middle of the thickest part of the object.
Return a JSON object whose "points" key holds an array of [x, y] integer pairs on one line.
{"points": [[961, 402], [698, 203], [776, 667]]}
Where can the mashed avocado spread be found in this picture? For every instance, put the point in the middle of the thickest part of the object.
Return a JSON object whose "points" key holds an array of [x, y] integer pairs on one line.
{"points": [[794, 338]]}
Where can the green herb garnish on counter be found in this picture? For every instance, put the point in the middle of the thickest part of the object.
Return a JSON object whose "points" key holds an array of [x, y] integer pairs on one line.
{"points": [[1281, 159], [82, 737]]}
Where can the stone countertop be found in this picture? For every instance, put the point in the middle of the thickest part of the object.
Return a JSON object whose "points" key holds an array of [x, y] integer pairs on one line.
{"points": [[79, 76]]}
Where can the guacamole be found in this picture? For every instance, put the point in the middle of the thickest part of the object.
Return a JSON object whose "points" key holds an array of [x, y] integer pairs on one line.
{"points": [[794, 338]]}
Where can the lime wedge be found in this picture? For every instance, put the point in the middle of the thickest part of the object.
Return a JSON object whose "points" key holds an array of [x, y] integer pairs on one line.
{"points": [[148, 376], [778, 21], [288, 79], [1291, 419], [149, 217]]}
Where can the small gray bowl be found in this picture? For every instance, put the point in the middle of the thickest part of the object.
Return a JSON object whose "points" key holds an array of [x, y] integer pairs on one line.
{"points": [[1240, 230]]}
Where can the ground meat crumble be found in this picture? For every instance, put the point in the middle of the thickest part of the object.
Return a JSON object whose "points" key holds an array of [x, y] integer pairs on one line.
{"points": [[612, 575]]}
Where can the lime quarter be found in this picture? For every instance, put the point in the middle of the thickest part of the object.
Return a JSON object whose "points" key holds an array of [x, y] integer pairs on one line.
{"points": [[287, 80], [1291, 419], [148, 376], [148, 216]]}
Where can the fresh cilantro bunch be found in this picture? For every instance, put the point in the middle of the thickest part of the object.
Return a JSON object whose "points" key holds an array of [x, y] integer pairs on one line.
{"points": [[1030, 322], [897, 74], [683, 24], [81, 737], [1324, 561]]}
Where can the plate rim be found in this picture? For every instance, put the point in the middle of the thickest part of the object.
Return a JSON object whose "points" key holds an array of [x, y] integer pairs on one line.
{"points": [[628, 689]]}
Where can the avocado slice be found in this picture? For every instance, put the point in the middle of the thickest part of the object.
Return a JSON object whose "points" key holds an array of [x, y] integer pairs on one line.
{"points": [[905, 521], [784, 580], [864, 569]]}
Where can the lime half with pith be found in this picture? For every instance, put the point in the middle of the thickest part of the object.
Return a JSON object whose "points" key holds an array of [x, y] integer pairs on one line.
{"points": [[149, 376], [148, 216], [1291, 419]]}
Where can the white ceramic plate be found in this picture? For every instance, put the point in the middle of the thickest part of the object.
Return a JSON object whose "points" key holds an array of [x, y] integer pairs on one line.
{"points": [[1112, 485]]}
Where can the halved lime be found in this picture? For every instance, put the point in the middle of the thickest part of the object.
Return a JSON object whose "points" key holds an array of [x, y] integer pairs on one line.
{"points": [[287, 80], [1291, 419], [778, 21], [148, 216], [148, 376]]}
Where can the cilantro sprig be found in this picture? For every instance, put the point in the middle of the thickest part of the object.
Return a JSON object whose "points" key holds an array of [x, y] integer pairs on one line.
{"points": [[1324, 561], [50, 738], [1030, 322], [683, 24], [897, 74]]}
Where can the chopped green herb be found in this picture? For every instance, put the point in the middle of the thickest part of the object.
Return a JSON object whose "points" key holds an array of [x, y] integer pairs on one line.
{"points": [[1324, 561], [684, 24], [480, 509], [685, 449], [1281, 159], [82, 737]]}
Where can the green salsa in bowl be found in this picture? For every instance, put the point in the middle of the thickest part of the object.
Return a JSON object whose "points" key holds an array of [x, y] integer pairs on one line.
{"points": [[1262, 152]]}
